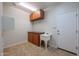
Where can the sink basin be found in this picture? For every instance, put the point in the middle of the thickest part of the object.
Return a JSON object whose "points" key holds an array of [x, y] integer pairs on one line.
{"points": [[46, 34]]}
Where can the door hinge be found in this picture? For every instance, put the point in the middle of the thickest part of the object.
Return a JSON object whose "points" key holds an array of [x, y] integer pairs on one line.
{"points": [[76, 14], [76, 48], [76, 31]]}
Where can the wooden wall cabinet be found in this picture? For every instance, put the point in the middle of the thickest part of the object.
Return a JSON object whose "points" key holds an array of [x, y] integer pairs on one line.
{"points": [[37, 15], [34, 38]]}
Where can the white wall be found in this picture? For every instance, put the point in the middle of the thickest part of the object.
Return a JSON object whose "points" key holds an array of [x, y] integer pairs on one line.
{"points": [[21, 26], [49, 23], [1, 40]]}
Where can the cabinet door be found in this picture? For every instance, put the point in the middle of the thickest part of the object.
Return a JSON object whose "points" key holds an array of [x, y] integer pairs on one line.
{"points": [[36, 39], [30, 37]]}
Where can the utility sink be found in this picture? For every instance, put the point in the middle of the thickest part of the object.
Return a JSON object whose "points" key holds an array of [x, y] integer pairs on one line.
{"points": [[46, 34], [45, 37]]}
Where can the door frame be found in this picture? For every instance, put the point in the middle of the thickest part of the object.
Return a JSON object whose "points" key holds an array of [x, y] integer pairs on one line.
{"points": [[77, 27]]}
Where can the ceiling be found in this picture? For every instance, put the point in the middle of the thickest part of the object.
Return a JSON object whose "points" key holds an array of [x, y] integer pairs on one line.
{"points": [[39, 5], [43, 5]]}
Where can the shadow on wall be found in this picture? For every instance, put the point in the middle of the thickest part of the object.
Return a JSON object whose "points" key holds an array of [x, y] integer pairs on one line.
{"points": [[8, 23]]}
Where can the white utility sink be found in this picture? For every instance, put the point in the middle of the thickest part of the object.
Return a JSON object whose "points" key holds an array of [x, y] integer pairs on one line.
{"points": [[45, 34], [45, 37]]}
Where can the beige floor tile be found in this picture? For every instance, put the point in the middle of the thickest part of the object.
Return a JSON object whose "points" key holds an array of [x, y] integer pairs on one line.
{"points": [[28, 49]]}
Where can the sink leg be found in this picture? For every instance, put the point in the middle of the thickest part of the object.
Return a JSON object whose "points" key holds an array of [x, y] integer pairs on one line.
{"points": [[46, 45]]}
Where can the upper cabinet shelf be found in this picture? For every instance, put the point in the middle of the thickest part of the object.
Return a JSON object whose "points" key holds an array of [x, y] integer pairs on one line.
{"points": [[37, 15]]}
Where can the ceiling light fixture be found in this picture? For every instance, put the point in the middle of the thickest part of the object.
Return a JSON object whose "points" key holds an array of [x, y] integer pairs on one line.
{"points": [[26, 5]]}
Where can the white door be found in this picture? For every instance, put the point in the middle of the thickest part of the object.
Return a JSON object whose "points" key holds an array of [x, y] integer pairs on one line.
{"points": [[66, 29]]}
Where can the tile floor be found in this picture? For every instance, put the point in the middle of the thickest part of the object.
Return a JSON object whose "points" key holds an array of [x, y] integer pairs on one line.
{"points": [[28, 49]]}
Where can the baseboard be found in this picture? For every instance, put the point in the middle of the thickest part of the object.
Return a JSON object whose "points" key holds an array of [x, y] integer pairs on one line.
{"points": [[1, 53], [67, 51], [14, 44]]}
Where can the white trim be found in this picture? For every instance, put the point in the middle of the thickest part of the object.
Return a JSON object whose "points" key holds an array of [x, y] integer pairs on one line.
{"points": [[77, 28]]}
